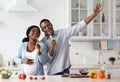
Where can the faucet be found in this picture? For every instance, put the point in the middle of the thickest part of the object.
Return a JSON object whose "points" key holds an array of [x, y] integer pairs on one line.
{"points": [[99, 62]]}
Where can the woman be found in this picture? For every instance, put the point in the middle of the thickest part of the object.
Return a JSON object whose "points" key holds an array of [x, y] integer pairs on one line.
{"points": [[31, 53]]}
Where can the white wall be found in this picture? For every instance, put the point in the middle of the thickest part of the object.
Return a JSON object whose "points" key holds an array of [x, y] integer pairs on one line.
{"points": [[13, 25]]}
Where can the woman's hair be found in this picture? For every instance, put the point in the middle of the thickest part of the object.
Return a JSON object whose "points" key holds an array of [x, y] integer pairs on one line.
{"points": [[26, 39]]}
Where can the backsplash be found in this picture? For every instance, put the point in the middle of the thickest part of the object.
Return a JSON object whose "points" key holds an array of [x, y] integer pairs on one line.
{"points": [[83, 53]]}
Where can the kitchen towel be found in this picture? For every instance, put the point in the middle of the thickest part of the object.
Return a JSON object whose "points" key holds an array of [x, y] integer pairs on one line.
{"points": [[96, 45], [110, 44], [103, 45]]}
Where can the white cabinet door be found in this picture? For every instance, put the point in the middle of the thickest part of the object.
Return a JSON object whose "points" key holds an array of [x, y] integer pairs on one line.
{"points": [[116, 19], [79, 11], [100, 27], [102, 22]]}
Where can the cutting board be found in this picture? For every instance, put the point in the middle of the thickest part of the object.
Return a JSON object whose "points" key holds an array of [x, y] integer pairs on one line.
{"points": [[75, 76], [78, 76]]}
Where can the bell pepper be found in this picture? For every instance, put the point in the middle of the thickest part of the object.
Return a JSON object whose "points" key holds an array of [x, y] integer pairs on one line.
{"points": [[101, 74], [93, 74]]}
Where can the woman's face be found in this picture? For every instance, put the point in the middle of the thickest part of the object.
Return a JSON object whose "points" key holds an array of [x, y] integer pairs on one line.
{"points": [[34, 33], [47, 28]]}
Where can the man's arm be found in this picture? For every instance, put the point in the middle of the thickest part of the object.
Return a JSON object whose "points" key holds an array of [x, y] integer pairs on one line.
{"points": [[52, 46], [97, 9]]}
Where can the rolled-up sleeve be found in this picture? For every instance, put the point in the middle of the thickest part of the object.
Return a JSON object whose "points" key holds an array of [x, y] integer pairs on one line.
{"points": [[18, 57], [43, 58], [74, 30]]}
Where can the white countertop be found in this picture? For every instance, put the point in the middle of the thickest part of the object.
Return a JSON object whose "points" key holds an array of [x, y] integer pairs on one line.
{"points": [[73, 67], [56, 78]]}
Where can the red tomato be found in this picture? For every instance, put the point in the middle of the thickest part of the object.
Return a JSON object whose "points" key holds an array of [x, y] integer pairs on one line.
{"points": [[19, 76], [43, 78], [31, 78], [35, 78], [22, 76]]}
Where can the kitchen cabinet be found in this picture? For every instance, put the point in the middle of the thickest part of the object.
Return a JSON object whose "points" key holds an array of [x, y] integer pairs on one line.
{"points": [[116, 19], [102, 26], [78, 12]]}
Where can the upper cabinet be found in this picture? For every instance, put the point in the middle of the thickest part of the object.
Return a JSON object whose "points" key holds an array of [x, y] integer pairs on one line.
{"points": [[79, 11], [101, 26], [102, 22], [116, 19]]}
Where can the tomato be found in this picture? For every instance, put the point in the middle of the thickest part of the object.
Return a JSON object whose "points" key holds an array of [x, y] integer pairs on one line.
{"points": [[22, 76], [31, 78], [101, 74], [43, 78], [19, 76], [35, 78]]}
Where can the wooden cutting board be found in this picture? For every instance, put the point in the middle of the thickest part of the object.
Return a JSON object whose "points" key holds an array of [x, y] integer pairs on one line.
{"points": [[78, 76], [75, 76]]}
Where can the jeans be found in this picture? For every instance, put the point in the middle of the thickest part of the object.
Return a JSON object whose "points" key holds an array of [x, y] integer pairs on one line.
{"points": [[65, 71]]}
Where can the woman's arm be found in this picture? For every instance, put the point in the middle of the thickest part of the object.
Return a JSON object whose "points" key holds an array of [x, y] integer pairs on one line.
{"points": [[18, 56]]}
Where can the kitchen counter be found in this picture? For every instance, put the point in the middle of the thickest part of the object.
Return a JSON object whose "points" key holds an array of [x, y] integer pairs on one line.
{"points": [[56, 78], [73, 67], [85, 66]]}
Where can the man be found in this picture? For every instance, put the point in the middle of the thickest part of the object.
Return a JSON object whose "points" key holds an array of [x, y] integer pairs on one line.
{"points": [[58, 43]]}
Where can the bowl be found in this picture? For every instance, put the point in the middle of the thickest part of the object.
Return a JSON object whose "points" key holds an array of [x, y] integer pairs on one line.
{"points": [[83, 71], [5, 74]]}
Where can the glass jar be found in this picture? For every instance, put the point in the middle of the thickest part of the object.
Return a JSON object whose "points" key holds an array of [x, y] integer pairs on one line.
{"points": [[108, 75]]}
